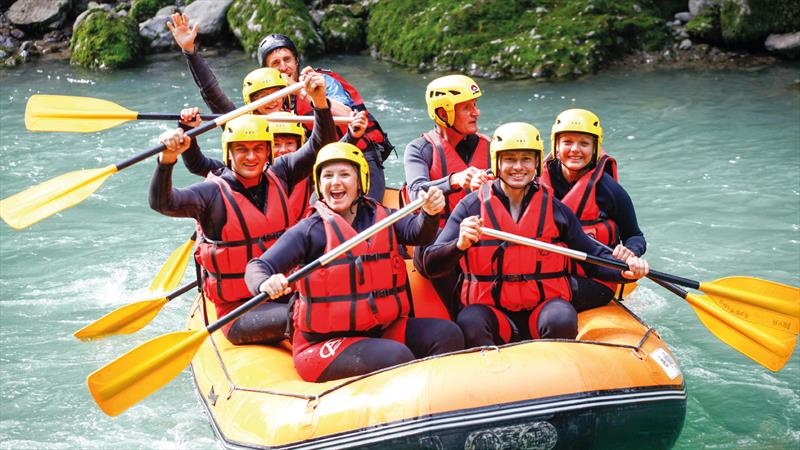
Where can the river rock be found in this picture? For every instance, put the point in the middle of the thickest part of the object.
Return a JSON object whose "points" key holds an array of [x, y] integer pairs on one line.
{"points": [[155, 34], [92, 6], [683, 16], [785, 44], [251, 20], [141, 10], [39, 14], [8, 43], [105, 40], [749, 22], [341, 30], [685, 44], [210, 15], [697, 6]]}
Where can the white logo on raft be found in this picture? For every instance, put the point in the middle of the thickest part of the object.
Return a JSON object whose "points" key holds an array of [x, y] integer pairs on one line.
{"points": [[527, 436], [667, 363], [329, 347]]}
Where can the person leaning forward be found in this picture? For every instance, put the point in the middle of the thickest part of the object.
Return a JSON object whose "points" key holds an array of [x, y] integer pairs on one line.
{"points": [[241, 209], [447, 157], [278, 52], [514, 292], [351, 316], [584, 178]]}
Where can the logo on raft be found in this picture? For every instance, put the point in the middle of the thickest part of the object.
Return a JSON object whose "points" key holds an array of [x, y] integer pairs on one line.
{"points": [[528, 436]]}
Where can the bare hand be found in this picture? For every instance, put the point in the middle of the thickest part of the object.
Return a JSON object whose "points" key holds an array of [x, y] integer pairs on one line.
{"points": [[622, 253], [314, 87], [183, 35], [433, 203], [191, 117], [463, 179], [176, 142], [638, 268], [358, 125], [479, 180], [469, 232], [276, 286]]}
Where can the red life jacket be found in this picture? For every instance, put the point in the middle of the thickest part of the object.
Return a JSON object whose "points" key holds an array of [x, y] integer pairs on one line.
{"points": [[510, 276], [445, 160], [582, 200], [361, 290], [299, 198], [373, 133], [247, 233]]}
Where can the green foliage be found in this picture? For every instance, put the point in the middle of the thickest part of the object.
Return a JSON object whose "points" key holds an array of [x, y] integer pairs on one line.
{"points": [[495, 38], [342, 30], [105, 40], [750, 21], [142, 10], [251, 20]]}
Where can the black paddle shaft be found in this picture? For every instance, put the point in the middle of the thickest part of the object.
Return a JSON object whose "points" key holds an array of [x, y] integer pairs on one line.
{"points": [[158, 116], [654, 274]]}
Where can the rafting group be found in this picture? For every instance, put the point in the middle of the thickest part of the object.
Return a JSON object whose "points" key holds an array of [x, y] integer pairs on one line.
{"points": [[284, 194]]}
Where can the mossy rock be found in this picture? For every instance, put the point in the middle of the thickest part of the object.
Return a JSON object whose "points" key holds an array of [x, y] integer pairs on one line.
{"points": [[104, 40], [142, 10], [341, 30], [749, 22], [251, 20], [540, 39], [705, 26]]}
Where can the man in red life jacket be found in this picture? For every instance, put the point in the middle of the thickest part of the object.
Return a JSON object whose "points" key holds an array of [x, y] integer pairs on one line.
{"points": [[277, 51], [351, 316], [513, 292], [584, 178], [448, 157], [240, 210]]}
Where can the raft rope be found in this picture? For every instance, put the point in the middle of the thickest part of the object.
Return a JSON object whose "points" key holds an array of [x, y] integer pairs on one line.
{"points": [[314, 399]]}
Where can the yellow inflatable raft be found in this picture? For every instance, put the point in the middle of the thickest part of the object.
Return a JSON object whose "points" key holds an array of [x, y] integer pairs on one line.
{"points": [[616, 386]]}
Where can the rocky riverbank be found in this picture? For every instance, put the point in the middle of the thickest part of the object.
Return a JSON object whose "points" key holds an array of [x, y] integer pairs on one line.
{"points": [[544, 39]]}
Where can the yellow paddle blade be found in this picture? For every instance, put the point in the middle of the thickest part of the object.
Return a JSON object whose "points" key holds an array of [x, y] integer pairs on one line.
{"points": [[173, 269], [126, 320], [75, 114], [765, 345], [43, 200], [133, 376], [764, 294]]}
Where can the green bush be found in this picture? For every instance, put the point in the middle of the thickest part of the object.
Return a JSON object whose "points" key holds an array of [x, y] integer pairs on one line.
{"points": [[342, 30], [749, 22]]}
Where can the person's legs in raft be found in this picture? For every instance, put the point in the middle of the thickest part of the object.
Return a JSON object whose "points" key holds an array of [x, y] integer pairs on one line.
{"points": [[344, 357], [426, 336], [485, 325], [265, 324], [588, 294], [553, 319], [447, 287]]}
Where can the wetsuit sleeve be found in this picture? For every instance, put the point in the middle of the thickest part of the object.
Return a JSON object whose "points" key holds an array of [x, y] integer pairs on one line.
{"points": [[417, 229], [417, 162], [199, 201], [196, 162], [300, 244], [217, 101], [334, 90], [616, 203], [297, 166], [572, 234], [441, 257]]}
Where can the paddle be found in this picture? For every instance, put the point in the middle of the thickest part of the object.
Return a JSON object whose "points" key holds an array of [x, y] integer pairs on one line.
{"points": [[38, 202], [133, 317], [133, 376], [86, 114], [758, 318], [129, 318]]}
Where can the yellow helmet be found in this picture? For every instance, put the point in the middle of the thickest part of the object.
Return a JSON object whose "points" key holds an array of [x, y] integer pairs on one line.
{"points": [[445, 92], [340, 151], [518, 136], [263, 78], [248, 127], [293, 128], [578, 121]]}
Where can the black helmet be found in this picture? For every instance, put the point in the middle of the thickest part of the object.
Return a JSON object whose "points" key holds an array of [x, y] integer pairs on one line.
{"points": [[274, 42]]}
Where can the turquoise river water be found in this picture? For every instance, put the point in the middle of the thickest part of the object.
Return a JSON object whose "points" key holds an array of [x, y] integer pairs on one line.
{"points": [[710, 158]]}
